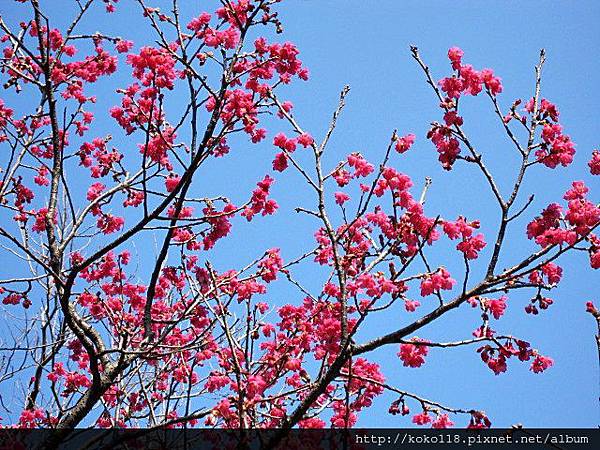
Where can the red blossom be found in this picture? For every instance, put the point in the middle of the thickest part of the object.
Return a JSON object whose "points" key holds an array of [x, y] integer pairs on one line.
{"points": [[595, 163], [422, 419], [404, 143], [541, 363], [260, 203], [436, 281], [496, 306], [413, 355], [341, 198], [174, 320], [442, 421], [455, 55]]}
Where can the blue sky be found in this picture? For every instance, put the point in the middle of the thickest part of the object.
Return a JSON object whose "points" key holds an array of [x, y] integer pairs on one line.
{"points": [[365, 44]]}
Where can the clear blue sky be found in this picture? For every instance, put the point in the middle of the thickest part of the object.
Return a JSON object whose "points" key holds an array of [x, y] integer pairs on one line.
{"points": [[365, 44]]}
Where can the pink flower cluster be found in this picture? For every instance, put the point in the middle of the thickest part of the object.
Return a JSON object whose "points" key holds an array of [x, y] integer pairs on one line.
{"points": [[468, 80], [374, 286], [96, 156], [555, 228], [260, 203], [362, 168], [158, 147], [363, 392], [271, 265], [496, 358], [73, 381], [557, 148], [137, 110], [227, 38], [153, 67], [396, 182], [447, 145], [220, 224], [470, 245], [404, 143], [465, 80], [288, 145], [595, 163], [436, 281], [15, 298], [550, 274], [413, 355], [496, 306]]}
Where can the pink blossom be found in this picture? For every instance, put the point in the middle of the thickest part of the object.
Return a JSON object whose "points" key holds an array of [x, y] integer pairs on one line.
{"points": [[413, 355], [496, 306], [305, 140], [411, 305], [557, 148], [41, 179], [471, 246], [172, 181], [284, 143], [109, 223], [422, 419], [341, 198], [404, 143], [362, 167], [541, 363], [199, 22], [595, 163], [452, 118], [492, 83], [271, 265], [442, 421], [260, 203], [436, 281], [455, 55], [40, 220], [452, 86], [94, 191], [123, 46], [313, 422], [280, 163]]}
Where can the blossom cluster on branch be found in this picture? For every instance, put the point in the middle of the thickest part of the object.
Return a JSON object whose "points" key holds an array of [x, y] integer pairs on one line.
{"points": [[171, 340]]}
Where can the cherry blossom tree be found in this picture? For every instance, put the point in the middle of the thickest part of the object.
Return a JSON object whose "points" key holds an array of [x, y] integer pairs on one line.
{"points": [[104, 335]]}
